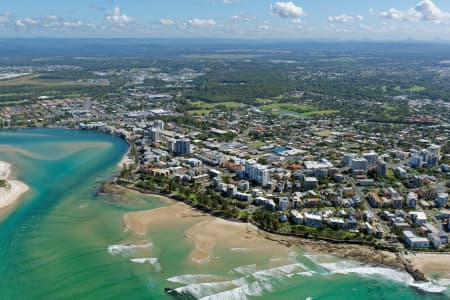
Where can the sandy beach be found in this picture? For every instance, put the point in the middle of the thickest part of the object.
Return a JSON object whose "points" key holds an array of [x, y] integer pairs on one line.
{"points": [[431, 263], [126, 160], [204, 231], [13, 189]]}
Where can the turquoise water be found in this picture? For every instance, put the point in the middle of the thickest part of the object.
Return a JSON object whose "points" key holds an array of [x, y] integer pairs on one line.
{"points": [[64, 241]]}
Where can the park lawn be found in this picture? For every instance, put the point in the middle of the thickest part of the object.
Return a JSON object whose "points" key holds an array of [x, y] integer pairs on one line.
{"points": [[412, 89], [390, 174], [321, 113], [204, 105], [300, 108], [324, 133], [416, 88], [257, 144], [229, 104]]}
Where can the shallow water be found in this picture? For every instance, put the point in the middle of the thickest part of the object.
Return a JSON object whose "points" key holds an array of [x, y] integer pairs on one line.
{"points": [[64, 241]]}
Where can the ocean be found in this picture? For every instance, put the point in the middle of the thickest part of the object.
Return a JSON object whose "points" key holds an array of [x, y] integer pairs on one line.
{"points": [[64, 240]]}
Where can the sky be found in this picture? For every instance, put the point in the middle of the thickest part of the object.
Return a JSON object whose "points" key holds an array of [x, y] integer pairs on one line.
{"points": [[259, 19]]}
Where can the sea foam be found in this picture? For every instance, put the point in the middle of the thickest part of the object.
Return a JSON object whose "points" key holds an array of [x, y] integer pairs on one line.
{"points": [[242, 292], [348, 267], [151, 260], [194, 278], [127, 250]]}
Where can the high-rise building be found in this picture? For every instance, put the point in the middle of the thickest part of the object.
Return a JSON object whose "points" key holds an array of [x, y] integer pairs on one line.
{"points": [[183, 147], [416, 161], [359, 164], [381, 168], [159, 124], [257, 172], [347, 159], [433, 160], [371, 158], [434, 150], [154, 135], [171, 145]]}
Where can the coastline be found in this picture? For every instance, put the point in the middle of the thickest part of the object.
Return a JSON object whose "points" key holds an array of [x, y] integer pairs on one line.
{"points": [[432, 264], [203, 235], [203, 231], [126, 160], [13, 190]]}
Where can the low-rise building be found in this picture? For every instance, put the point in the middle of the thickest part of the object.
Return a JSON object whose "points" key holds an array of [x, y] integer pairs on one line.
{"points": [[311, 183], [441, 199], [414, 241], [418, 217], [411, 200], [313, 220], [297, 217]]}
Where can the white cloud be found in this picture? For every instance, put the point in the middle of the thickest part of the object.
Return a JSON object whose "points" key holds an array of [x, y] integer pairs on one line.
{"points": [[201, 22], [117, 18], [5, 18], [287, 10], [264, 27], [230, 1], [425, 10], [297, 23], [340, 19], [26, 22], [242, 18], [167, 22], [360, 18], [73, 24]]}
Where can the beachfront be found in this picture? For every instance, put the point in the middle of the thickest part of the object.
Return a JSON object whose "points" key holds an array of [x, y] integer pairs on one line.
{"points": [[205, 232]]}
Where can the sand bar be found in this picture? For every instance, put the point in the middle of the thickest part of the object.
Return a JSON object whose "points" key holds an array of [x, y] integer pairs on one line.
{"points": [[12, 189], [203, 231]]}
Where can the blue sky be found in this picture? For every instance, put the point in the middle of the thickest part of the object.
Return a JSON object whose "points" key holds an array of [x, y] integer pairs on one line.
{"points": [[344, 19]]}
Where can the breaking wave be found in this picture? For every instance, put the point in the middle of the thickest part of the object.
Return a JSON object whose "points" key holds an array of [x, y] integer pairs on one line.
{"points": [[253, 283], [127, 250], [347, 267], [194, 278]]}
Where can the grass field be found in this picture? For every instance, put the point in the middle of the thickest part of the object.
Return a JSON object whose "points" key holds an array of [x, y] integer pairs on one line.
{"points": [[300, 108], [34, 80], [412, 89], [321, 113], [257, 144], [416, 88], [324, 133], [204, 105], [262, 101], [297, 110]]}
